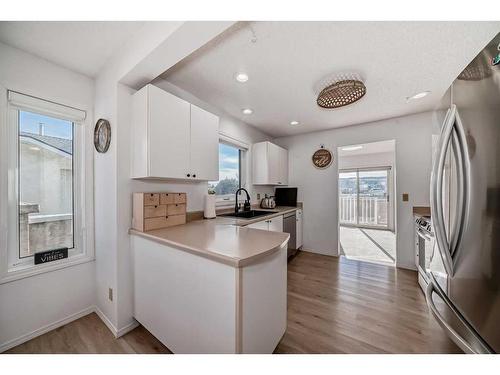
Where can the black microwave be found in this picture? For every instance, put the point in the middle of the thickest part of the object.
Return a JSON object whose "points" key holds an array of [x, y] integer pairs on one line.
{"points": [[286, 196]]}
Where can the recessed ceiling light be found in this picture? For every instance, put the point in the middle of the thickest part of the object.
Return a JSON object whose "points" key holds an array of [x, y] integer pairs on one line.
{"points": [[294, 122], [351, 148], [247, 111], [241, 77], [419, 95]]}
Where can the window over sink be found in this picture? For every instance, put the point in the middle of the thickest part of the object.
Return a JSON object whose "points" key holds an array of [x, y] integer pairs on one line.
{"points": [[230, 171]]}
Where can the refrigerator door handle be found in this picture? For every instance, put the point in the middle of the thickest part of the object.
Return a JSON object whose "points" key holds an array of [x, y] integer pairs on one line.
{"points": [[479, 346], [437, 191], [456, 234], [463, 169]]}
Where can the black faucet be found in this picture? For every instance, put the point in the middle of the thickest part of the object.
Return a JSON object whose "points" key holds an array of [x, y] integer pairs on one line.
{"points": [[246, 205]]}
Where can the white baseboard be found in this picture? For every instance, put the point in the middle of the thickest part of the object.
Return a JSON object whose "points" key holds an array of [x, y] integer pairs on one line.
{"points": [[129, 327], [49, 327], [106, 321], [115, 331], [411, 267]]}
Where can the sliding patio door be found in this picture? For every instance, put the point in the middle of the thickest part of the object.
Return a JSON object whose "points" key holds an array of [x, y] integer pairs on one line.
{"points": [[364, 197]]}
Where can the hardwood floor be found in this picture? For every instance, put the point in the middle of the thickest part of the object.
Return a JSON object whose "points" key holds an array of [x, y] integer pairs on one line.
{"points": [[89, 335], [335, 305]]}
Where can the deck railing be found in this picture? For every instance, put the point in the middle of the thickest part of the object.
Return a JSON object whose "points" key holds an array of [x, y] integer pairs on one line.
{"points": [[372, 211]]}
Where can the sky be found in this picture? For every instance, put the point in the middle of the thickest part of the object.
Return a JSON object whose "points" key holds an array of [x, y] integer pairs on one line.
{"points": [[29, 123], [228, 162]]}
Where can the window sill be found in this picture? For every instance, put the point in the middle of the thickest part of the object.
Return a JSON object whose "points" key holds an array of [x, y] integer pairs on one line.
{"points": [[24, 272], [224, 203]]}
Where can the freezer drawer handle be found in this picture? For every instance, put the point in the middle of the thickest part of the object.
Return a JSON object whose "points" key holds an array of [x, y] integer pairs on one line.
{"points": [[480, 346]]}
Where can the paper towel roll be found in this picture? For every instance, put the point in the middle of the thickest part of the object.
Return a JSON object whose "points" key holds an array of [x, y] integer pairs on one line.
{"points": [[209, 207]]}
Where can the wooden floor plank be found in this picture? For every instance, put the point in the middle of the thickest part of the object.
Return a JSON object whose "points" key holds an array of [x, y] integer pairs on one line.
{"points": [[89, 335], [335, 305]]}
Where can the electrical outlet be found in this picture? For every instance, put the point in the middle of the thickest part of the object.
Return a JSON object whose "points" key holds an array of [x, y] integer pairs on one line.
{"points": [[110, 294], [258, 196], [405, 197]]}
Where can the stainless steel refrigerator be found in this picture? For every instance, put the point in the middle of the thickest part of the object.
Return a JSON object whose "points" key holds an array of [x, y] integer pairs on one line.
{"points": [[464, 292]]}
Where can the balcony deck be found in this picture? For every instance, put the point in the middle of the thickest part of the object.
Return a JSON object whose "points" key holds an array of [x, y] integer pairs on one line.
{"points": [[372, 245]]}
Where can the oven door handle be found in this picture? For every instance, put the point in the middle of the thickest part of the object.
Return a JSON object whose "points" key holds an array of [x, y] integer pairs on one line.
{"points": [[479, 346]]}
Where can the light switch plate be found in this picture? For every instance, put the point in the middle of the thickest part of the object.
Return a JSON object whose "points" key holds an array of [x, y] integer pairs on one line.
{"points": [[110, 294]]}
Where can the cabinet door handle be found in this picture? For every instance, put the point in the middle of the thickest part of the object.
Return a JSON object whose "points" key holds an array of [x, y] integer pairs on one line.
{"points": [[194, 175], [189, 175]]}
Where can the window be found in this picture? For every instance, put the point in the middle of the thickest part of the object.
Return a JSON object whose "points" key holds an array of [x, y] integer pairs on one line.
{"points": [[364, 197], [230, 158], [46, 180], [45, 188]]}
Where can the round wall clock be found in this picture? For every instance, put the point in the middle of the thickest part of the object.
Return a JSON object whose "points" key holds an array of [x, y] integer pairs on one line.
{"points": [[322, 158], [102, 135]]}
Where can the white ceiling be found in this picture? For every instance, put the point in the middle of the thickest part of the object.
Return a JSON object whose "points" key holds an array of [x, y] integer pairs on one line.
{"points": [[83, 47], [288, 59], [369, 148]]}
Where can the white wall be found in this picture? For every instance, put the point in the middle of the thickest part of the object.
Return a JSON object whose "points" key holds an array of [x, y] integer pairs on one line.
{"points": [[108, 256], [105, 214], [160, 43], [29, 304], [195, 193], [318, 189]]}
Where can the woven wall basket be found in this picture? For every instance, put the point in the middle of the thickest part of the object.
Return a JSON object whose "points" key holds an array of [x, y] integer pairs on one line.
{"points": [[341, 93]]}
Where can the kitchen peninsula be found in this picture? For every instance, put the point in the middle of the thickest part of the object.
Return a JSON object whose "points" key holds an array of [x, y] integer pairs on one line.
{"points": [[210, 287]]}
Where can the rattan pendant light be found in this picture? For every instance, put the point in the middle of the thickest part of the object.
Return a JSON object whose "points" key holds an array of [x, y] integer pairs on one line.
{"points": [[340, 90]]}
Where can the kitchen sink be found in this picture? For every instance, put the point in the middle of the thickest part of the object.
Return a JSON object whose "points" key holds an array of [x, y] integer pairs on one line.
{"points": [[248, 214]]}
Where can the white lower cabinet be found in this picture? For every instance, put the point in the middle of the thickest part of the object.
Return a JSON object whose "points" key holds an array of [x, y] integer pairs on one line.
{"points": [[194, 305], [264, 225], [274, 225]]}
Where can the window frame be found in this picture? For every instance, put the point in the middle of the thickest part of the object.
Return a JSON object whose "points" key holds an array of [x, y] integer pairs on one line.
{"points": [[390, 193], [12, 267], [229, 199]]}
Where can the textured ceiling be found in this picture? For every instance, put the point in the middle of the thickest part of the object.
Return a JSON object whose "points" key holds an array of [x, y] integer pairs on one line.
{"points": [[287, 60], [83, 47]]}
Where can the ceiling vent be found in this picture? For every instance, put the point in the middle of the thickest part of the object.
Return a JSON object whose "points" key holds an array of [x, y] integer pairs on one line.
{"points": [[340, 90]]}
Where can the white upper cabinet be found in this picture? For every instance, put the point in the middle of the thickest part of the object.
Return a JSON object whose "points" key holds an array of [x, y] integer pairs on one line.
{"points": [[172, 138], [270, 164], [204, 144]]}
